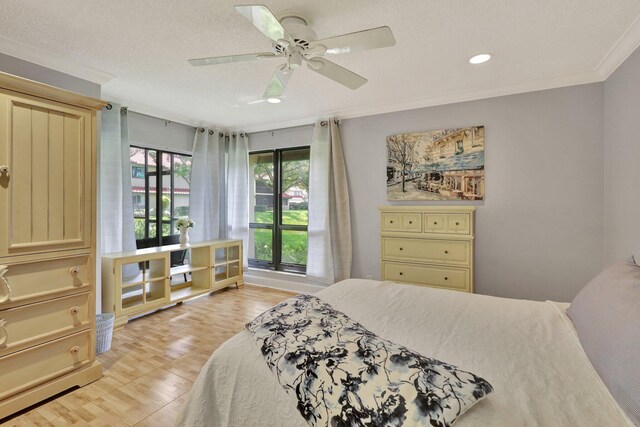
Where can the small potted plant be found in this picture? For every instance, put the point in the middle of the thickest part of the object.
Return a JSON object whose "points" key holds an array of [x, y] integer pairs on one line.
{"points": [[183, 224]]}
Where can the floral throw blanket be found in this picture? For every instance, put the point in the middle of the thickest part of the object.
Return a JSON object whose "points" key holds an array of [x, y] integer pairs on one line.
{"points": [[344, 375]]}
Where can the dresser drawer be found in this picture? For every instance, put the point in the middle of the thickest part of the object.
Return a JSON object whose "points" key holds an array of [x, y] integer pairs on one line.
{"points": [[27, 368], [407, 222], [455, 252], [36, 281], [447, 223], [441, 277], [33, 324], [458, 223], [435, 223]]}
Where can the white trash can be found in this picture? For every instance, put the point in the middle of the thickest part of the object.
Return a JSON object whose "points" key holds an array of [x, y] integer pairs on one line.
{"points": [[104, 331]]}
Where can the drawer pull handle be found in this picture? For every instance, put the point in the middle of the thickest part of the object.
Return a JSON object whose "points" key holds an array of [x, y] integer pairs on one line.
{"points": [[446, 252], [446, 278], [6, 295], [74, 311], [74, 271], [74, 350], [4, 336], [401, 273], [5, 170]]}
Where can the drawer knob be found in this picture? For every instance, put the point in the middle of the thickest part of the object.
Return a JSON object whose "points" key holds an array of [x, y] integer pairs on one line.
{"points": [[5, 289], [74, 311], [446, 278], [400, 248], [74, 350], [4, 336], [401, 273], [390, 222], [435, 222], [5, 170], [446, 252], [74, 271], [410, 222], [457, 223]]}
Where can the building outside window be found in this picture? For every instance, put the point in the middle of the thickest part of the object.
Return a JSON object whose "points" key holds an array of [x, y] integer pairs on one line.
{"points": [[160, 183], [279, 209]]}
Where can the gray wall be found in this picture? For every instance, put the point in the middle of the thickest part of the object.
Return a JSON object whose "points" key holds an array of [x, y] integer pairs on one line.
{"points": [[152, 132], [28, 70], [622, 161], [539, 233]]}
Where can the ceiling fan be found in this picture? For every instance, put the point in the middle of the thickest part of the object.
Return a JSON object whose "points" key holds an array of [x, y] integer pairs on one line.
{"points": [[296, 42]]}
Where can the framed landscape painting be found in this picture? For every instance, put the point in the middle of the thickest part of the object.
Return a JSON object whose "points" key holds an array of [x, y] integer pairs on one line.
{"points": [[446, 164]]}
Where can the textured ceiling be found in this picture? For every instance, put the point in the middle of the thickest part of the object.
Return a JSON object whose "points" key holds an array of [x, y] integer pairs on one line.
{"points": [[145, 45]]}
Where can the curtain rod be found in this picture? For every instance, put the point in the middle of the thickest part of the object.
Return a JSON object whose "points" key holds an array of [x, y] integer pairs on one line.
{"points": [[322, 123], [221, 134]]}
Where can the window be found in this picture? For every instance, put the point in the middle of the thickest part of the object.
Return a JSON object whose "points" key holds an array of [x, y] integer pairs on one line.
{"points": [[160, 194], [279, 194]]}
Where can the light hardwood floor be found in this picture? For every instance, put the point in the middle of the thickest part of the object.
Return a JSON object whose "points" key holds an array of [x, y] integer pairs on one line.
{"points": [[153, 362]]}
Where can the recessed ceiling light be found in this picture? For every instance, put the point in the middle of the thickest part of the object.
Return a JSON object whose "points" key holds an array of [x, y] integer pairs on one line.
{"points": [[479, 59], [274, 100]]}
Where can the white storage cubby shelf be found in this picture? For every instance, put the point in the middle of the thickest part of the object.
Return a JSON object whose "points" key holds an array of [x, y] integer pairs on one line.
{"points": [[135, 283]]}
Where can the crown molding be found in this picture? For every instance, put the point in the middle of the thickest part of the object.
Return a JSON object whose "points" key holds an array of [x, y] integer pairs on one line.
{"points": [[36, 56], [451, 98], [620, 51], [30, 87]]}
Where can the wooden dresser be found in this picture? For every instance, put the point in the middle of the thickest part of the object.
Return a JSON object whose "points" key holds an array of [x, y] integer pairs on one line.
{"points": [[47, 242], [428, 245]]}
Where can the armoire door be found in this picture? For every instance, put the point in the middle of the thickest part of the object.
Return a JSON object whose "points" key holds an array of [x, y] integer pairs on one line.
{"points": [[45, 175]]}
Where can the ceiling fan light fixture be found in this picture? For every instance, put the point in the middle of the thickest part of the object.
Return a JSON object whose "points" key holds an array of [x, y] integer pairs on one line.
{"points": [[480, 58], [274, 100]]}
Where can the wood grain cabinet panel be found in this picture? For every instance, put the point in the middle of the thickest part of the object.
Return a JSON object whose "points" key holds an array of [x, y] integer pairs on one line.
{"points": [[46, 194], [437, 253], [47, 241]]}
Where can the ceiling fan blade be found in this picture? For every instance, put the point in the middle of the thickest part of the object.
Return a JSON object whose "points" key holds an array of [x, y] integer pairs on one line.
{"points": [[277, 84], [373, 38], [231, 58], [336, 73], [262, 18]]}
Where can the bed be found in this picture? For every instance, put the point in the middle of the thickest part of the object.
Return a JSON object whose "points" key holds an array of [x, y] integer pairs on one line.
{"points": [[529, 351]]}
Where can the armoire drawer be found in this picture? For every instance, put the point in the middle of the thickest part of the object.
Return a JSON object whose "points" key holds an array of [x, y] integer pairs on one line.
{"points": [[28, 368], [32, 324], [40, 280], [454, 252], [441, 277], [407, 222]]}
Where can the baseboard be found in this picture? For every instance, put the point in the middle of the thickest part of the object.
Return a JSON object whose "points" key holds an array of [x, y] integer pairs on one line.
{"points": [[282, 281]]}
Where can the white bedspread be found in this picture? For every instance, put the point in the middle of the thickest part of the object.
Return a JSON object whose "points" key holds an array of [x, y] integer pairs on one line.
{"points": [[527, 350]]}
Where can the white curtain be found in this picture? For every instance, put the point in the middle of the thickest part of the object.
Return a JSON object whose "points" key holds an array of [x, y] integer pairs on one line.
{"points": [[204, 200], [329, 242], [237, 189], [116, 200]]}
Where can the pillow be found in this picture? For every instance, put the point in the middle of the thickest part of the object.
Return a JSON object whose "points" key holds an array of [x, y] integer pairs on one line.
{"points": [[606, 315]]}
